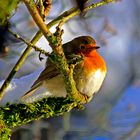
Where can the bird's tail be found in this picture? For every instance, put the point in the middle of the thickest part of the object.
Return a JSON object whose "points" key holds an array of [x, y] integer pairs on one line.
{"points": [[31, 92]]}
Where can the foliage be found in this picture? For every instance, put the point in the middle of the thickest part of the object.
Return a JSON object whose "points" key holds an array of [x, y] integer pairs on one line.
{"points": [[6, 9], [5, 132]]}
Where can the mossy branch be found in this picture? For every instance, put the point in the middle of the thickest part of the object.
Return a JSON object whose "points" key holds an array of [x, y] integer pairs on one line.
{"points": [[19, 114]]}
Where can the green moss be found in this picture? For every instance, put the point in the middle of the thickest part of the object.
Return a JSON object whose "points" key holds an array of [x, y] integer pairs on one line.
{"points": [[18, 114], [5, 132]]}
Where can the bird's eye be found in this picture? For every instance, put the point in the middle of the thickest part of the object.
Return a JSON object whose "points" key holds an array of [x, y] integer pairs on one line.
{"points": [[82, 47]]}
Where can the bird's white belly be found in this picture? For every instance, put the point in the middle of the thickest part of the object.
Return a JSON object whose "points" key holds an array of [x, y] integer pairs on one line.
{"points": [[56, 86], [88, 85], [91, 83]]}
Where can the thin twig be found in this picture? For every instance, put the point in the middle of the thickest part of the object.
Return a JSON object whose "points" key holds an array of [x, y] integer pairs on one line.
{"points": [[41, 7], [29, 43], [18, 65], [37, 18], [98, 4]]}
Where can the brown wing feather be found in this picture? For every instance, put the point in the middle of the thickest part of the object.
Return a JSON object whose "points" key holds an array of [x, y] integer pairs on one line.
{"points": [[30, 92], [49, 72]]}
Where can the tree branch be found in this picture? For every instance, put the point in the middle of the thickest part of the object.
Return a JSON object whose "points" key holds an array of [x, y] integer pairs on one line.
{"points": [[18, 65], [29, 43], [19, 114]]}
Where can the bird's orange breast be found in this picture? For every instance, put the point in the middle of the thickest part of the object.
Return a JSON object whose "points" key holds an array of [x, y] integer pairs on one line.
{"points": [[90, 73], [92, 62]]}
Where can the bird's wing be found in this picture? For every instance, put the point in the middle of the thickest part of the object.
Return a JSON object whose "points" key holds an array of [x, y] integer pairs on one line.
{"points": [[49, 72]]}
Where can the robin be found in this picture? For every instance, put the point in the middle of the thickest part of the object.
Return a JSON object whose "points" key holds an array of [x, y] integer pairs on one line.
{"points": [[89, 73]]}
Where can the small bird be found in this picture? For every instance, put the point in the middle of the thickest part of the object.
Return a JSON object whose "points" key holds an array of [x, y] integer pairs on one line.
{"points": [[88, 74]]}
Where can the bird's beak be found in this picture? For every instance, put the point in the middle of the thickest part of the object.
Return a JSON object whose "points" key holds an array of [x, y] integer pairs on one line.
{"points": [[93, 47], [96, 47]]}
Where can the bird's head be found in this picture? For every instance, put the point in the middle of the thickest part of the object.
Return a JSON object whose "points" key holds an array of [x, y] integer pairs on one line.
{"points": [[81, 45]]}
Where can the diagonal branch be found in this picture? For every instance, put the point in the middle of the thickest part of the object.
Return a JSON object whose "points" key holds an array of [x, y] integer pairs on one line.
{"points": [[37, 18], [56, 44], [29, 43]]}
